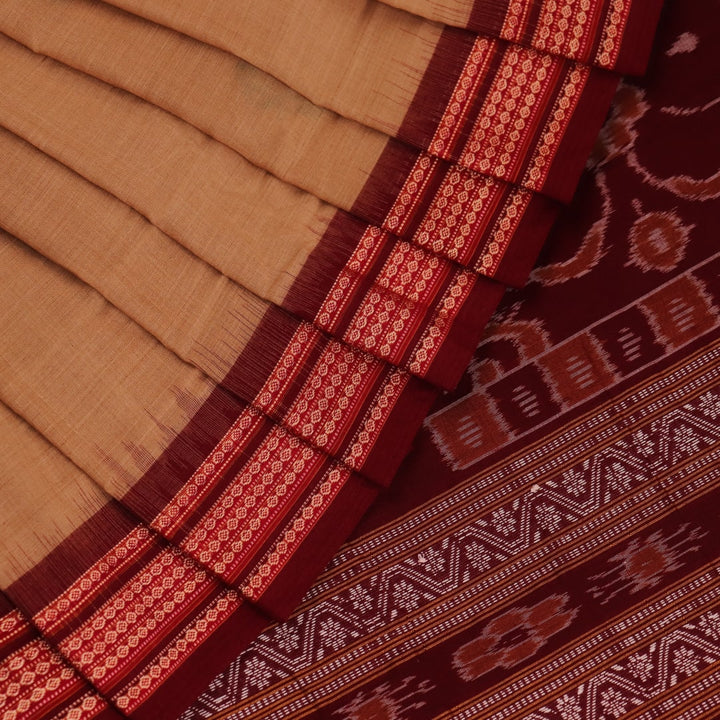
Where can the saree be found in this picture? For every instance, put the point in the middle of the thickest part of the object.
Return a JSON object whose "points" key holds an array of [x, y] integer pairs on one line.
{"points": [[243, 250], [549, 549]]}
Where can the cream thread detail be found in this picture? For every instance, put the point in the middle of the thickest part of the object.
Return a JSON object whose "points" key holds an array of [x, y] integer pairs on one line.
{"points": [[556, 127], [172, 655], [104, 643], [402, 211], [515, 20], [123, 554], [462, 97], [229, 531], [611, 41], [497, 143], [503, 232], [376, 417], [431, 341], [346, 283]]}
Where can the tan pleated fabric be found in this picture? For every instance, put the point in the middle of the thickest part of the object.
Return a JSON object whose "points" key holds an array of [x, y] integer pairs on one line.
{"points": [[363, 60], [373, 68], [234, 102], [243, 246], [264, 121]]}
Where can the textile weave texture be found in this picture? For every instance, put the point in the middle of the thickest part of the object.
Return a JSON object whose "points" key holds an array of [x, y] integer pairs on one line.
{"points": [[244, 247], [567, 569]]}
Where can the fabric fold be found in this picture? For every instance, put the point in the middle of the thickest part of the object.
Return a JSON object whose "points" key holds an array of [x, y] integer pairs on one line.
{"points": [[231, 488], [108, 599], [242, 251], [284, 245], [36, 681], [609, 34], [381, 181], [495, 107]]}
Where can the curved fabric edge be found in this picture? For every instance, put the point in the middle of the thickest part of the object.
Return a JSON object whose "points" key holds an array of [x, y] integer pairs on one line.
{"points": [[388, 446], [558, 28]]}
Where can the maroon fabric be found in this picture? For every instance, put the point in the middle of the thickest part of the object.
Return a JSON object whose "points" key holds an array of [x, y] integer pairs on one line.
{"points": [[571, 482], [645, 213]]}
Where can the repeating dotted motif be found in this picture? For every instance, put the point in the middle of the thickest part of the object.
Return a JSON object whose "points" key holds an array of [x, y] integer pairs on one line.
{"points": [[380, 410], [294, 533], [390, 314], [414, 293], [569, 28], [34, 679], [122, 556], [172, 655], [410, 195], [438, 330], [516, 17], [210, 472], [517, 95], [570, 485], [612, 33], [556, 126], [343, 290], [166, 590], [464, 94], [337, 395], [459, 217], [565, 27], [273, 477]]}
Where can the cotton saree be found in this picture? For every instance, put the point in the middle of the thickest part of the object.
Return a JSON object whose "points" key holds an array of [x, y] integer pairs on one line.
{"points": [[243, 249]]}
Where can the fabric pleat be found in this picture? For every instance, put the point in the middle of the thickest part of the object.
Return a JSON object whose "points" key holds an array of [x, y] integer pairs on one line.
{"points": [[243, 248], [256, 112], [495, 107], [99, 628], [37, 680], [602, 33], [219, 208]]}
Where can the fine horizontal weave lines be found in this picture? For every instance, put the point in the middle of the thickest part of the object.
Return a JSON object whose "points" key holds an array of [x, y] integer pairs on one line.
{"points": [[220, 337], [409, 282], [495, 210]]}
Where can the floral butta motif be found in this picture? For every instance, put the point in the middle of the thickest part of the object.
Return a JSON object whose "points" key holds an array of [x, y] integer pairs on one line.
{"points": [[570, 574], [644, 563]]}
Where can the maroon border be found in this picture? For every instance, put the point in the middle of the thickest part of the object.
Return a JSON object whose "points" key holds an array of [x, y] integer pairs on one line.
{"points": [[317, 276], [580, 135], [406, 417], [457, 350], [480, 93], [172, 697], [218, 412], [381, 189], [60, 568], [488, 18], [523, 249], [638, 37], [286, 592], [436, 87]]}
